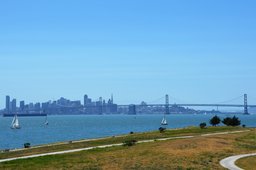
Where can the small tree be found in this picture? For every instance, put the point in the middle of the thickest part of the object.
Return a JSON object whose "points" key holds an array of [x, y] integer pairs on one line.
{"points": [[215, 120], [227, 121], [234, 121], [202, 125], [26, 145], [161, 129]]}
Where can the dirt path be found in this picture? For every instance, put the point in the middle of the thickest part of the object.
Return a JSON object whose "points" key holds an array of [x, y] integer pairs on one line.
{"points": [[229, 162]]}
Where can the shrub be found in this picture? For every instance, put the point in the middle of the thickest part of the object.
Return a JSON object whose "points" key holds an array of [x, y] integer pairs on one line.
{"points": [[227, 121], [131, 132], [243, 126], [7, 150], [234, 121], [202, 125], [215, 120], [26, 145], [129, 142], [161, 129]]}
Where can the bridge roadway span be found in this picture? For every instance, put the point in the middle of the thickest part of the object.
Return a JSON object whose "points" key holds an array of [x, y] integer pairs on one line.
{"points": [[205, 105]]}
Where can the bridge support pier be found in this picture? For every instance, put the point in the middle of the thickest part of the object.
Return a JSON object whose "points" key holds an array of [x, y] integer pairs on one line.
{"points": [[245, 105], [167, 111]]}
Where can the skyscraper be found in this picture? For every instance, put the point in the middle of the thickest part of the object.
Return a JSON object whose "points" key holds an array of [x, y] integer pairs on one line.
{"points": [[85, 100], [14, 106], [7, 104], [22, 105]]}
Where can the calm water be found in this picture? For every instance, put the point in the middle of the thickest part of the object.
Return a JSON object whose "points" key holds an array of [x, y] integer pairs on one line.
{"points": [[65, 128]]}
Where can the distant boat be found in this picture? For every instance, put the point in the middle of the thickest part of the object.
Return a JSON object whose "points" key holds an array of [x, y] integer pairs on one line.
{"points": [[46, 121], [15, 123], [164, 121]]}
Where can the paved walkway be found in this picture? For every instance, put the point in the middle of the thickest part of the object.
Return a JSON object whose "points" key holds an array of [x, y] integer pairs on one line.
{"points": [[112, 145], [229, 162]]}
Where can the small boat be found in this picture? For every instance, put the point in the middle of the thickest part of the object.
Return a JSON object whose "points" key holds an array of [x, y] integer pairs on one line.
{"points": [[15, 123], [46, 121], [164, 121]]}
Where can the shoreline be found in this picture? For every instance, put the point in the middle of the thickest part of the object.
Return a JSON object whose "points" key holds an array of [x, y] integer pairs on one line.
{"points": [[65, 142], [114, 144], [115, 136], [83, 140]]}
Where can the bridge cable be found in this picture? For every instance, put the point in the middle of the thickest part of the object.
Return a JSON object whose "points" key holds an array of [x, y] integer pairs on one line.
{"points": [[233, 99], [157, 100]]}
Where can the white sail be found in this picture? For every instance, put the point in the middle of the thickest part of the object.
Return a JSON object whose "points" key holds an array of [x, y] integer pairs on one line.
{"points": [[46, 121], [164, 121], [13, 120], [15, 123]]}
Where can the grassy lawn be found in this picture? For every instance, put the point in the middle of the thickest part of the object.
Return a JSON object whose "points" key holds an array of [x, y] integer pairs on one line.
{"points": [[248, 163], [194, 153], [118, 139]]}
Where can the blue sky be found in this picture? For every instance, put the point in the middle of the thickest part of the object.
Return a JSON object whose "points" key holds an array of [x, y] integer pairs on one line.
{"points": [[197, 51]]}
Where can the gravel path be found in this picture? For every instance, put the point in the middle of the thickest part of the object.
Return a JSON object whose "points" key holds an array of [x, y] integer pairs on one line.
{"points": [[229, 162]]}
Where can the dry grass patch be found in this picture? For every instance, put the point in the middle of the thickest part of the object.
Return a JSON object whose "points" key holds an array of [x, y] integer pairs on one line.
{"points": [[248, 163], [180, 154]]}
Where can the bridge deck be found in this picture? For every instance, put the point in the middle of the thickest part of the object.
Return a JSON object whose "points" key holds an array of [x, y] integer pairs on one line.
{"points": [[204, 105]]}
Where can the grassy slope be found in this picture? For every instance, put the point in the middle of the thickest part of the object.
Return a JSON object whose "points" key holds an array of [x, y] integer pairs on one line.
{"points": [[118, 139], [248, 163], [195, 153]]}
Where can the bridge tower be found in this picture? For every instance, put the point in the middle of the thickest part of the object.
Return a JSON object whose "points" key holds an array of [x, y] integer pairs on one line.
{"points": [[167, 111], [245, 105]]}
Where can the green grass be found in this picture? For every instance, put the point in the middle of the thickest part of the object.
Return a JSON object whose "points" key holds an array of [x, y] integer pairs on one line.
{"points": [[248, 142], [119, 139], [184, 154]]}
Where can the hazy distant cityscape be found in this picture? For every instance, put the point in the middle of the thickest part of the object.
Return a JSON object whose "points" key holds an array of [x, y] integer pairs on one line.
{"points": [[65, 106]]}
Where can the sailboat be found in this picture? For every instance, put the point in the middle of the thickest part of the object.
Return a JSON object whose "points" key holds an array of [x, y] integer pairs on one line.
{"points": [[15, 123], [164, 121], [46, 121]]}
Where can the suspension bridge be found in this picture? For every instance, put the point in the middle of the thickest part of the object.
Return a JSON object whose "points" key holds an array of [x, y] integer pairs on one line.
{"points": [[244, 105]]}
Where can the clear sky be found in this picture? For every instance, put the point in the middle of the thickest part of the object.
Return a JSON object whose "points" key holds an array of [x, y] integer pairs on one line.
{"points": [[197, 51]]}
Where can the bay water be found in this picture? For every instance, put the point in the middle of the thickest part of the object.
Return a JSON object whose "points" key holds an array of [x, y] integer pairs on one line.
{"points": [[76, 127]]}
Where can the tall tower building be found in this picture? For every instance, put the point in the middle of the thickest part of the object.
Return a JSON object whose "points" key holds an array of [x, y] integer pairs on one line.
{"points": [[7, 104], [100, 100], [14, 106], [85, 100], [22, 105]]}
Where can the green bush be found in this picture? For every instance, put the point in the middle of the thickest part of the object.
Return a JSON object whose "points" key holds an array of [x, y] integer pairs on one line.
{"points": [[129, 142], [161, 129], [26, 145], [215, 120], [234, 121], [202, 125]]}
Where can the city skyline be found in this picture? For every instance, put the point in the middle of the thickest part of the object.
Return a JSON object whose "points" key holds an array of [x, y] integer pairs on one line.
{"points": [[139, 51]]}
